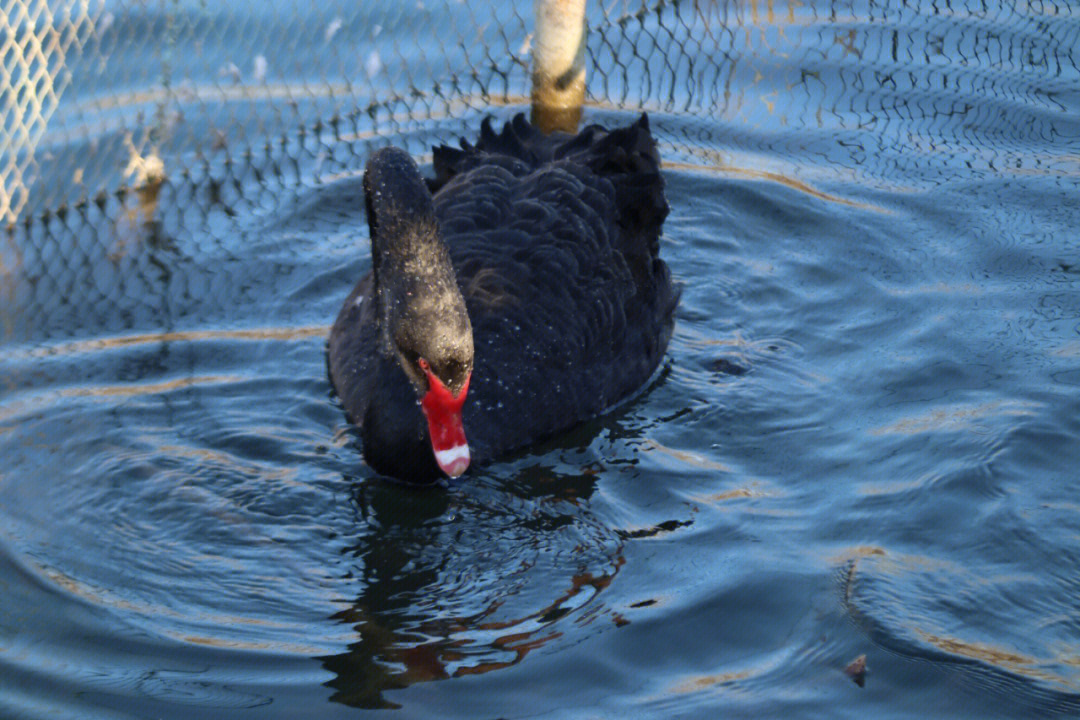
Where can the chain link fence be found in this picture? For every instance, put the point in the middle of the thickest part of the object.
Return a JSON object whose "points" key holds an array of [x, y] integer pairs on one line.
{"points": [[138, 135], [242, 100], [105, 95], [35, 44]]}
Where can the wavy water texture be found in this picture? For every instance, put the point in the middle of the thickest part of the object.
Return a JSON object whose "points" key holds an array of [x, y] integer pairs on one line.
{"points": [[863, 442]]}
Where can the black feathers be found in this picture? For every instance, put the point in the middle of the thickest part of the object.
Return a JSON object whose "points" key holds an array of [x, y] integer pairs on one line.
{"points": [[554, 243]]}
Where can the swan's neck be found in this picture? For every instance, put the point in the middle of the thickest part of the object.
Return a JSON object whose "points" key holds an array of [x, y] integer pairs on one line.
{"points": [[415, 287], [401, 216]]}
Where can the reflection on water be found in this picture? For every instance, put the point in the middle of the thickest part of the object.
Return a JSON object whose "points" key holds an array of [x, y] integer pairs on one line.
{"points": [[449, 579]]}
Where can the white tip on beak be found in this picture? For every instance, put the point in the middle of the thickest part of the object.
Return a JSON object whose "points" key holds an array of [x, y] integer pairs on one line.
{"points": [[453, 461]]}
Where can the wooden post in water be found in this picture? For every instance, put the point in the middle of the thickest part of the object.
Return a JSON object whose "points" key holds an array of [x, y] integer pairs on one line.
{"points": [[558, 76]]}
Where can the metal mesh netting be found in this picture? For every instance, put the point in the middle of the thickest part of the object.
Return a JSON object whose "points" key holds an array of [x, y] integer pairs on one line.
{"points": [[129, 125], [100, 94], [132, 125], [33, 80]]}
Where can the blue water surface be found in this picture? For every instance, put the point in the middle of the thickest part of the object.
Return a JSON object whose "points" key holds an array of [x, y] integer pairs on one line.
{"points": [[864, 440]]}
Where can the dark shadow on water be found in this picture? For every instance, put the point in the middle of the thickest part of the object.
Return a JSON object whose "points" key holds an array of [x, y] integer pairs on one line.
{"points": [[401, 519], [423, 615]]}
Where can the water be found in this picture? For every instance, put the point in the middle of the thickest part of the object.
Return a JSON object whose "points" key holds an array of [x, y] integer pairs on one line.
{"points": [[863, 442]]}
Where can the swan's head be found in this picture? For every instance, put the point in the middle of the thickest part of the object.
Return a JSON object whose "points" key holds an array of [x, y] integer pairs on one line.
{"points": [[425, 325], [438, 360]]}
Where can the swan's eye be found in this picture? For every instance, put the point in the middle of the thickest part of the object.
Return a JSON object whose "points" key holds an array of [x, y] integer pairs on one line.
{"points": [[423, 365], [455, 370]]}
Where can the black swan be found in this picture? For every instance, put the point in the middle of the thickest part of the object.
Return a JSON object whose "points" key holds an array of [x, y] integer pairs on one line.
{"points": [[517, 294]]}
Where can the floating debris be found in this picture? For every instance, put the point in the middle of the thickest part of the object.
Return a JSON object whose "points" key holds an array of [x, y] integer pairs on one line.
{"points": [[105, 23], [259, 68], [856, 670], [373, 64], [229, 70], [332, 28]]}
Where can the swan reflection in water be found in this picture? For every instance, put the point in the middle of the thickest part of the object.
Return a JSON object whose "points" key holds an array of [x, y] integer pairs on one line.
{"points": [[470, 580]]}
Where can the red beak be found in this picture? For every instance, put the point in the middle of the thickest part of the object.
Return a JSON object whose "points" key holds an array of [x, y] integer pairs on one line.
{"points": [[443, 412]]}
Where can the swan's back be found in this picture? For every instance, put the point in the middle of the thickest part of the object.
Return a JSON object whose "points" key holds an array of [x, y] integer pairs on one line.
{"points": [[555, 244]]}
